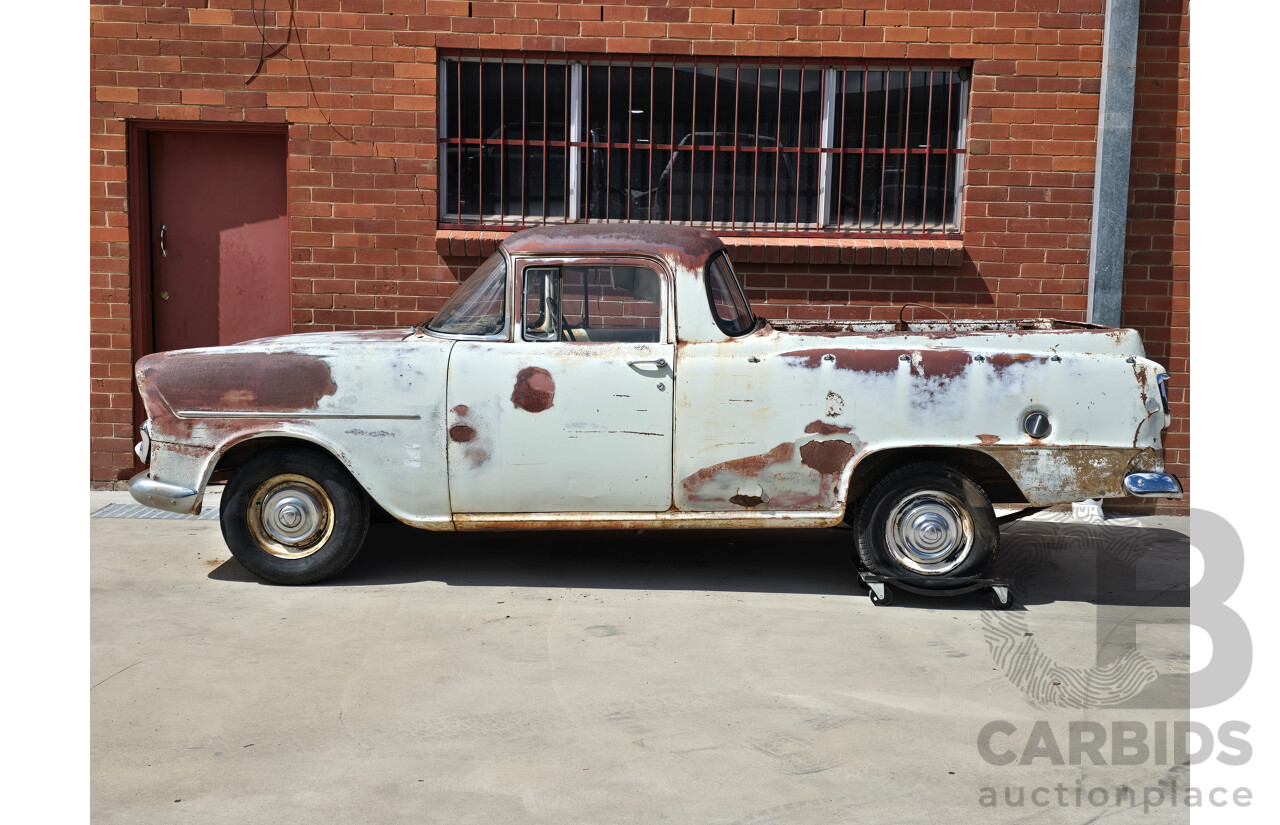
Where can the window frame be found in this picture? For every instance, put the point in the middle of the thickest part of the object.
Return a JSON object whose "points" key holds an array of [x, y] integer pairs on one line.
{"points": [[742, 295], [503, 334], [525, 264], [955, 150]]}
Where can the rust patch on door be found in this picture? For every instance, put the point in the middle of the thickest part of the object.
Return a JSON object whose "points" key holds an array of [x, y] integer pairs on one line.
{"points": [[746, 501], [473, 437], [749, 467], [823, 428], [535, 390], [827, 457], [988, 439]]}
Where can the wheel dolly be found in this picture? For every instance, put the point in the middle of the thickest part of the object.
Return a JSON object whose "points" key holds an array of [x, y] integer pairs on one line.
{"points": [[1001, 598], [878, 588]]}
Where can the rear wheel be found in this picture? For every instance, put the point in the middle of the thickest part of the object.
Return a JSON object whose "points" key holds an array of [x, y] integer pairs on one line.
{"points": [[294, 516], [927, 523]]}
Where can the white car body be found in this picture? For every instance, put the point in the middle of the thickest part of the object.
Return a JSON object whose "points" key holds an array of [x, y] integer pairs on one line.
{"points": [[784, 424]]}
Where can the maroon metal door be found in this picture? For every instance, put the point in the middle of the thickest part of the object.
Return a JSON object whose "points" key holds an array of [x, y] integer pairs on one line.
{"points": [[219, 237]]}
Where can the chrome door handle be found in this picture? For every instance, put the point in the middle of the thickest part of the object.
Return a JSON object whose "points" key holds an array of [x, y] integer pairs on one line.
{"points": [[660, 363], [164, 253]]}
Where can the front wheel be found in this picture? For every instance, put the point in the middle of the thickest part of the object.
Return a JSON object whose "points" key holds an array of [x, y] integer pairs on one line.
{"points": [[294, 516], [927, 523]]}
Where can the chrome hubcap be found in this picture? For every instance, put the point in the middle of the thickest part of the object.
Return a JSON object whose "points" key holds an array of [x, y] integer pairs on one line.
{"points": [[291, 516], [930, 533]]}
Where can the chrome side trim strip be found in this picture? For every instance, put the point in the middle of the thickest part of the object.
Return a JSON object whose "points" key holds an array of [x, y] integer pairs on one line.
{"points": [[248, 414]]}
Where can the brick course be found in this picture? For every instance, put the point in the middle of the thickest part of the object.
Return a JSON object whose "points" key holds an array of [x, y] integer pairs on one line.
{"points": [[356, 84]]}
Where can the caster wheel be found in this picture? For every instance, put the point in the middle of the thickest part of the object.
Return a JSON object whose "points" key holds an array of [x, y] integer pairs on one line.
{"points": [[879, 602], [999, 604]]}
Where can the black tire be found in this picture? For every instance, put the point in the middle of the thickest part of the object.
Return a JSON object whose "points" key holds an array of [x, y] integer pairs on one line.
{"points": [[943, 528], [879, 602], [294, 515]]}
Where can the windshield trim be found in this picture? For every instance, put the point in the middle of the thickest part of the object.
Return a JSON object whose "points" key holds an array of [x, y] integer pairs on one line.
{"points": [[737, 285], [503, 334]]}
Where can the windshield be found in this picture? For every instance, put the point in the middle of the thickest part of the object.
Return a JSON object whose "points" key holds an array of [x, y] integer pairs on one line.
{"points": [[728, 304], [480, 306]]}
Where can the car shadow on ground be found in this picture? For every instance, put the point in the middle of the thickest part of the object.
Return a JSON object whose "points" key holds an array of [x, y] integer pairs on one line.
{"points": [[1046, 562]]}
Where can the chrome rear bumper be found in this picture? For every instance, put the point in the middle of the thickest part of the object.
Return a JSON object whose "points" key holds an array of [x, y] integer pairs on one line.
{"points": [[163, 496], [1153, 485]]}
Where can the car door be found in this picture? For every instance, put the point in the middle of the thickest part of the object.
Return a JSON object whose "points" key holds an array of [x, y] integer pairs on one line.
{"points": [[574, 413]]}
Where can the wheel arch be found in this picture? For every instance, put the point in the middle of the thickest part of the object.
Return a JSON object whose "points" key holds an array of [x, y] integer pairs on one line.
{"points": [[234, 453], [989, 474]]}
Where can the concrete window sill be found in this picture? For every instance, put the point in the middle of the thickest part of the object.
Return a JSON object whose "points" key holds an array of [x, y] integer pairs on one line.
{"points": [[474, 243]]}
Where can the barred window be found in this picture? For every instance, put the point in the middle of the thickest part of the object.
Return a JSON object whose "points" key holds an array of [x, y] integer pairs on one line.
{"points": [[738, 145]]}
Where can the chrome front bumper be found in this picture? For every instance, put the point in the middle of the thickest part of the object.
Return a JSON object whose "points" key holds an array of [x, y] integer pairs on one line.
{"points": [[163, 496], [1153, 485]]}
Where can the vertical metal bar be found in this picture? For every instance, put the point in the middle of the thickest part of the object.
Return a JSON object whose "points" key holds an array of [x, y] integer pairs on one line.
{"points": [[590, 173], [715, 141], [524, 145], [566, 120], [825, 138], [928, 149], [755, 159], [502, 141], [884, 147], [799, 140], [862, 156], [575, 136], [671, 137], [946, 157], [693, 138], [545, 131], [906, 156], [844, 139], [648, 184], [631, 93], [461, 148], [960, 142], [481, 144], [442, 130], [733, 167], [608, 136], [777, 145]]}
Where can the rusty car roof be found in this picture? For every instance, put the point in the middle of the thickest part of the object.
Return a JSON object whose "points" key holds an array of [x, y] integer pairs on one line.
{"points": [[688, 246]]}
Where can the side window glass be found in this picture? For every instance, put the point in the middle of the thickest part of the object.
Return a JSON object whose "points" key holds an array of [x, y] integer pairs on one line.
{"points": [[541, 304], [593, 303]]}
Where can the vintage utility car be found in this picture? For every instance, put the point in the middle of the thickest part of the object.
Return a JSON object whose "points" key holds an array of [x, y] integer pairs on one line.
{"points": [[614, 376]]}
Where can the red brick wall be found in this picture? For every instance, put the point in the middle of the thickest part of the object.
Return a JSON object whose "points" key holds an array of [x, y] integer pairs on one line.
{"points": [[356, 84]]}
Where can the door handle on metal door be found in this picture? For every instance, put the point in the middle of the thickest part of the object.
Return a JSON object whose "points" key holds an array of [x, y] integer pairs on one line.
{"points": [[164, 253], [660, 363]]}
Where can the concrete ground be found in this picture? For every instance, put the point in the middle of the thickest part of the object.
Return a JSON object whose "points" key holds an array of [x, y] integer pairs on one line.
{"points": [[635, 677]]}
